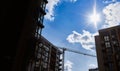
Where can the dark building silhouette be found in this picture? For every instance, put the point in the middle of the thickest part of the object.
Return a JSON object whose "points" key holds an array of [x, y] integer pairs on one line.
{"points": [[93, 69], [108, 49], [21, 23]]}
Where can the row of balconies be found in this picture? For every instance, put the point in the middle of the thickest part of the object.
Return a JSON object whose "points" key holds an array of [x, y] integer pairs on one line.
{"points": [[38, 18], [39, 15]]}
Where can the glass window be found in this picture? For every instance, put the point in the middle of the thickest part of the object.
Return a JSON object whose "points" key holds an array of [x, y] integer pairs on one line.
{"points": [[39, 50], [114, 42], [111, 66], [107, 44], [39, 55], [106, 38], [40, 45], [45, 65], [113, 36], [37, 64], [46, 59]]}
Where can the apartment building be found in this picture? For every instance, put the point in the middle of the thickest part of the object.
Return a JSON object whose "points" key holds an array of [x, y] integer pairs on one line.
{"points": [[47, 57], [108, 49]]}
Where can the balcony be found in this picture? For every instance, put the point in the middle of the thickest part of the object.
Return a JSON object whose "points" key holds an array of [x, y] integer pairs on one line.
{"points": [[59, 69], [45, 1], [60, 64], [40, 24], [41, 10], [60, 60]]}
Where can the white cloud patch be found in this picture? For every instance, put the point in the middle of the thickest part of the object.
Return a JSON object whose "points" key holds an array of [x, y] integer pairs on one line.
{"points": [[72, 1], [92, 66], [112, 14], [86, 39], [68, 65], [109, 1], [50, 9], [51, 6]]}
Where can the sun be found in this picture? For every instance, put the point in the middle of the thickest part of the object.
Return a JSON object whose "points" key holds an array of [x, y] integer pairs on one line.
{"points": [[94, 17]]}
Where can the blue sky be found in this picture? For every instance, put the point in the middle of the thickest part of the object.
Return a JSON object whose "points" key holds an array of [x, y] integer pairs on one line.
{"points": [[68, 23]]}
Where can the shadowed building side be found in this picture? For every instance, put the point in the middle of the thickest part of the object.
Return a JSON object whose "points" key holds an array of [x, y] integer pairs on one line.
{"points": [[99, 54], [19, 22], [28, 49]]}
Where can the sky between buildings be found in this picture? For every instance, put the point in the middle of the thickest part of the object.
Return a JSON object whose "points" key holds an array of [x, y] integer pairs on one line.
{"points": [[74, 23]]}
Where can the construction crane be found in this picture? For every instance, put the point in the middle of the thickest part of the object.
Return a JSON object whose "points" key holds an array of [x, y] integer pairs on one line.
{"points": [[66, 49]]}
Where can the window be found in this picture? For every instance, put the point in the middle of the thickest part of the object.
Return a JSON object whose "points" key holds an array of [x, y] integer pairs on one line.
{"points": [[107, 44], [46, 48], [39, 50], [46, 59], [39, 55], [46, 54], [40, 45], [113, 36], [45, 65], [110, 66], [114, 42], [106, 38], [37, 64]]}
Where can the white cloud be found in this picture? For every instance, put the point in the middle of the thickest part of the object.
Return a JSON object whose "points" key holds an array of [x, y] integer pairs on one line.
{"points": [[112, 14], [51, 6], [109, 1], [50, 9], [68, 65], [72, 1], [86, 39], [92, 66]]}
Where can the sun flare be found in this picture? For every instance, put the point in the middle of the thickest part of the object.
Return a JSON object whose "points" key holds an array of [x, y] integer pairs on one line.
{"points": [[94, 17]]}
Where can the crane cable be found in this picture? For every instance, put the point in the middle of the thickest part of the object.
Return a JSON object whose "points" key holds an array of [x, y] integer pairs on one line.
{"points": [[66, 49]]}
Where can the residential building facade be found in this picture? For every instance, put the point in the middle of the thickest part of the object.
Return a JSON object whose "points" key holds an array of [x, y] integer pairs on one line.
{"points": [[47, 57], [108, 49]]}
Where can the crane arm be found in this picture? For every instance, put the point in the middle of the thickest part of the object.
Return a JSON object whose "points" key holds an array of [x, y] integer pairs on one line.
{"points": [[66, 49]]}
